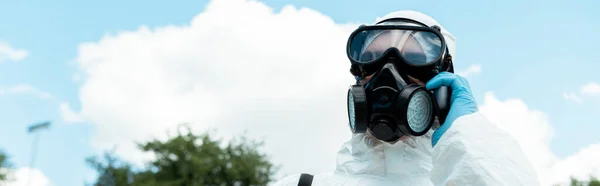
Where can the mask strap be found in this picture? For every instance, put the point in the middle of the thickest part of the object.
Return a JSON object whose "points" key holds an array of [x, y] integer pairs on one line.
{"points": [[447, 65]]}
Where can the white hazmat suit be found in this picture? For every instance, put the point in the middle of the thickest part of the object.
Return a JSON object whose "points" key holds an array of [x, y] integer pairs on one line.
{"points": [[473, 151]]}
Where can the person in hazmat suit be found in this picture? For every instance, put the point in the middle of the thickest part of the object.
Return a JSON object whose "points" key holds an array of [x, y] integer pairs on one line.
{"points": [[414, 121]]}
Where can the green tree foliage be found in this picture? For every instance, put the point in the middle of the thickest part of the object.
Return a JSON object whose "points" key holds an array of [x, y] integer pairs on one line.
{"points": [[112, 171], [191, 160], [592, 182], [5, 166]]}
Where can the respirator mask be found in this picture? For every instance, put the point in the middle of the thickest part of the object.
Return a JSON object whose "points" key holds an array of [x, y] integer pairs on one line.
{"points": [[393, 52]]}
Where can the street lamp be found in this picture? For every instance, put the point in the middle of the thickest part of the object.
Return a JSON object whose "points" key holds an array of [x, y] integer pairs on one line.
{"points": [[35, 129]]}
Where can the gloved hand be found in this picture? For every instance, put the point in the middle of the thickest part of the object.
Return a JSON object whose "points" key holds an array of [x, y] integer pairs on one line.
{"points": [[462, 101]]}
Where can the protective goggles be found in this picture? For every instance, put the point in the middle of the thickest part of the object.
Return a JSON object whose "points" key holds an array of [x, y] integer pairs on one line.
{"points": [[415, 43]]}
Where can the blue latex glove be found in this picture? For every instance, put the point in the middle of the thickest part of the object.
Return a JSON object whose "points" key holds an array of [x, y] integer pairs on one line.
{"points": [[462, 101]]}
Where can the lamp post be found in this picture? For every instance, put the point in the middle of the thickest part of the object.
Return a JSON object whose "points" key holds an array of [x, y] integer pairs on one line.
{"points": [[35, 130]]}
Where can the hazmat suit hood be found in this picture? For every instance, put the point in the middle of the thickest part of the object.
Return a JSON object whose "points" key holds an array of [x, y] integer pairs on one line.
{"points": [[427, 20]]}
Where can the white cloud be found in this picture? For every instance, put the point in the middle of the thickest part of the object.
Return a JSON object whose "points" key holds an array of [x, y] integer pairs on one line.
{"points": [[21, 178], [471, 70], [28, 89], [534, 132], [572, 97], [262, 71], [281, 76], [68, 114], [22, 88], [8, 53], [580, 165], [590, 89]]}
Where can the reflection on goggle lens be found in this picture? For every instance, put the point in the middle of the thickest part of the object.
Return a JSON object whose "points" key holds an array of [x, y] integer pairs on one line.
{"points": [[416, 47]]}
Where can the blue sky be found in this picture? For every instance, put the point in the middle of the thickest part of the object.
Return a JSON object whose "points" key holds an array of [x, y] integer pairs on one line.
{"points": [[530, 50]]}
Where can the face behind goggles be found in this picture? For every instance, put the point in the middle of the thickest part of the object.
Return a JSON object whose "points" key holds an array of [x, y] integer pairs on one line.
{"points": [[416, 47]]}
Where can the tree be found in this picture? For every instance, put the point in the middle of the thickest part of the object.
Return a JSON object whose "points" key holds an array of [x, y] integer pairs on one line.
{"points": [[111, 172], [5, 166], [593, 182], [190, 159]]}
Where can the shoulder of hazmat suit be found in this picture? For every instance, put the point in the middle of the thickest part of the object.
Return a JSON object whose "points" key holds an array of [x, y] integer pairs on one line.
{"points": [[472, 151]]}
